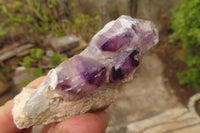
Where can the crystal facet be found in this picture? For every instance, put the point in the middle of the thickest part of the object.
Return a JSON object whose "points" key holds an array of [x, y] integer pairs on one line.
{"points": [[123, 65]]}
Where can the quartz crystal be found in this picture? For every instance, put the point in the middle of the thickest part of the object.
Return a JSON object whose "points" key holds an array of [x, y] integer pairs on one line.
{"points": [[112, 56], [113, 53]]}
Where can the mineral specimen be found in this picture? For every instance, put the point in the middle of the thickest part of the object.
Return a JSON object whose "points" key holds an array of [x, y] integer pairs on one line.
{"points": [[111, 58]]}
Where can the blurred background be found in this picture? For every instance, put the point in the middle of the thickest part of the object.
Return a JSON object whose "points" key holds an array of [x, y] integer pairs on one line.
{"points": [[37, 35]]}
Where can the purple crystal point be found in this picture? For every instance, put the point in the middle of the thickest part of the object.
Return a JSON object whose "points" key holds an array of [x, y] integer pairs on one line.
{"points": [[117, 42], [95, 76], [113, 55], [123, 65], [123, 34], [87, 76], [65, 87]]}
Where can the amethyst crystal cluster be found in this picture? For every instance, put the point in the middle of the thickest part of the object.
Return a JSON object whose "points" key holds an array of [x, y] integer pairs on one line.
{"points": [[87, 81], [112, 56]]}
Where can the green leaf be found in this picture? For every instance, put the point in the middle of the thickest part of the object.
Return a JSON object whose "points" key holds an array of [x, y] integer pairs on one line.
{"points": [[55, 59], [63, 59], [5, 69], [185, 23], [53, 3], [26, 81], [18, 6], [26, 62], [37, 53], [38, 73], [73, 5]]}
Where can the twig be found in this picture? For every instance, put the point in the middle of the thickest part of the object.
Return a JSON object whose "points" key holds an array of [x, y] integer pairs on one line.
{"points": [[12, 52], [5, 49]]}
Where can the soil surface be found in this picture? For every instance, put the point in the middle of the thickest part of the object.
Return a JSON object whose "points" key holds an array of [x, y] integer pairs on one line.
{"points": [[168, 54], [171, 68]]}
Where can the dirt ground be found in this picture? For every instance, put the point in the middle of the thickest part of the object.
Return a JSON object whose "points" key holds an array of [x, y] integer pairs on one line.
{"points": [[171, 67], [168, 53]]}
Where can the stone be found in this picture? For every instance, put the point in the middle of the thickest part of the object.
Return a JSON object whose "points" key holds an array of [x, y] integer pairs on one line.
{"points": [[78, 49], [174, 120], [192, 103], [22, 76], [49, 53], [85, 77], [65, 43]]}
